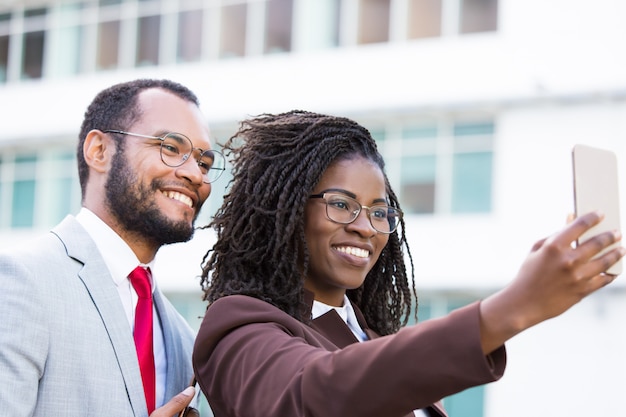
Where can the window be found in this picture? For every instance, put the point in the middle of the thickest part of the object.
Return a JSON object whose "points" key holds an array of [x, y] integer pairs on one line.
{"points": [[108, 44], [374, 21], [23, 199], [233, 30], [148, 41], [472, 168], [424, 18], [479, 16], [4, 58], [190, 36], [37, 189], [440, 166], [317, 24], [278, 17], [33, 40]]}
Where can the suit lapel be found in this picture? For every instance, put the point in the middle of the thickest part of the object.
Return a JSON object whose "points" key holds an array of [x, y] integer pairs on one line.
{"points": [[173, 354], [98, 282], [332, 326]]}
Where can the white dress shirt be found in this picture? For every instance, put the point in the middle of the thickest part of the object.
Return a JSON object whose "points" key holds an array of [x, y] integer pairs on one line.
{"points": [[346, 312], [121, 261]]}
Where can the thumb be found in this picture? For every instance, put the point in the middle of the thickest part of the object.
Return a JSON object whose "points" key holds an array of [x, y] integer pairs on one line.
{"points": [[176, 404]]}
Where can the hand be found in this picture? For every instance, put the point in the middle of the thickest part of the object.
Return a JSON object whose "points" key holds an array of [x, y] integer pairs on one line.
{"points": [[553, 278], [177, 404]]}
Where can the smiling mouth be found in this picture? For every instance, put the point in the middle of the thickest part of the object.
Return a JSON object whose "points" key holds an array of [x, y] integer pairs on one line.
{"points": [[175, 195], [351, 250]]}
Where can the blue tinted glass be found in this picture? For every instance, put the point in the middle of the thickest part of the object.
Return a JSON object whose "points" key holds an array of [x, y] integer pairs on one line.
{"points": [[471, 183], [473, 129], [23, 203]]}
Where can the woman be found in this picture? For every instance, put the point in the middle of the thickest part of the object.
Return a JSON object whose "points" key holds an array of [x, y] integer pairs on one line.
{"points": [[309, 262]]}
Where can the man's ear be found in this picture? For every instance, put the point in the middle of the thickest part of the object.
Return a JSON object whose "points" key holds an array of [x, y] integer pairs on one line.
{"points": [[98, 150]]}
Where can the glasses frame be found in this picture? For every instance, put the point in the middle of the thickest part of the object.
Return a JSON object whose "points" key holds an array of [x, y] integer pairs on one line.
{"points": [[185, 157], [361, 207]]}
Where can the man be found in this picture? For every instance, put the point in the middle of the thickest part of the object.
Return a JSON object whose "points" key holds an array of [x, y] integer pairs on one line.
{"points": [[74, 332]]}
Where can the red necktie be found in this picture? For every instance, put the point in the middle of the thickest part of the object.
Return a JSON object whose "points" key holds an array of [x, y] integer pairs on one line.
{"points": [[143, 333]]}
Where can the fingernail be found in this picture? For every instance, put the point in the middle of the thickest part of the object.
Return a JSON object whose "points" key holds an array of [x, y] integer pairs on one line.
{"points": [[189, 391]]}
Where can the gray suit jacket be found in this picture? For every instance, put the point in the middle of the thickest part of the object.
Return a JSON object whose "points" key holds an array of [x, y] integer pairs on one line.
{"points": [[66, 348]]}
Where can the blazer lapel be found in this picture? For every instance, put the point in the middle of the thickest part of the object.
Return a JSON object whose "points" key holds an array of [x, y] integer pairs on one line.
{"points": [[332, 326], [98, 282], [175, 374]]}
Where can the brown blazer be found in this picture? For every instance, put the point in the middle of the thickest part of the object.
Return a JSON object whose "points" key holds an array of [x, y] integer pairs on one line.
{"points": [[252, 359]]}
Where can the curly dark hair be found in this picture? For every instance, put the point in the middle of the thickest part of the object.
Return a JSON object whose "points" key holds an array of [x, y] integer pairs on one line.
{"points": [[261, 249], [117, 108]]}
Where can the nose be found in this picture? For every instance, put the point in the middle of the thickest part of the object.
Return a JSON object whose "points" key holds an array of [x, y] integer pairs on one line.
{"points": [[362, 224], [190, 170]]}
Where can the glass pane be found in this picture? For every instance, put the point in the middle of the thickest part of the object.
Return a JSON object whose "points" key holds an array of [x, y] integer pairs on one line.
{"points": [[23, 203], [418, 184], [373, 21], [471, 183], [233, 30], [66, 50], [479, 16], [4, 57], [108, 44], [61, 203], [466, 129], [278, 19], [424, 18], [35, 12], [466, 403], [32, 58], [318, 24], [190, 36], [148, 41]]}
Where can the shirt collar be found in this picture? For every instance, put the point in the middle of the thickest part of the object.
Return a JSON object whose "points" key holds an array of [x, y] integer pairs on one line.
{"points": [[117, 255]]}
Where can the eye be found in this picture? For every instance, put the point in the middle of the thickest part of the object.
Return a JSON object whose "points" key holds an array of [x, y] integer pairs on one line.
{"points": [[170, 148], [339, 203], [379, 213]]}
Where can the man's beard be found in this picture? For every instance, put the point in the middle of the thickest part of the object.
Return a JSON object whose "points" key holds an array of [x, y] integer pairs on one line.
{"points": [[134, 207]]}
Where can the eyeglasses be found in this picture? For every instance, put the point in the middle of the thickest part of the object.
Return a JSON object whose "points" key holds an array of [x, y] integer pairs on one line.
{"points": [[344, 210], [176, 149]]}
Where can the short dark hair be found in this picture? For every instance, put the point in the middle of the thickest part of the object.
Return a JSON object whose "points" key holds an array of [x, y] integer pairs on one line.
{"points": [[117, 108], [261, 248]]}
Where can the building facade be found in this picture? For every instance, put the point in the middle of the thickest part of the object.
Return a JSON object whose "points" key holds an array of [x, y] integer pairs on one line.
{"points": [[475, 105]]}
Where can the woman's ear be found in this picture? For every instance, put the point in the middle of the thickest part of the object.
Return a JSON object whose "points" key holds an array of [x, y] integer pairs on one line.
{"points": [[98, 150]]}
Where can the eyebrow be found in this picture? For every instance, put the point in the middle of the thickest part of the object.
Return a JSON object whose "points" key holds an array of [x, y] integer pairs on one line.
{"points": [[350, 194]]}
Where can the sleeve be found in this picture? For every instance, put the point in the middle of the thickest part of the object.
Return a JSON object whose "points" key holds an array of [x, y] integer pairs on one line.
{"points": [[23, 338], [265, 368]]}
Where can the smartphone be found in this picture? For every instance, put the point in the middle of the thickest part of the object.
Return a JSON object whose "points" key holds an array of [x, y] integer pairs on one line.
{"points": [[596, 188]]}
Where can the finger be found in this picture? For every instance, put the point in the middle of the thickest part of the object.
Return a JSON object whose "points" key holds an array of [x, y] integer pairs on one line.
{"points": [[600, 264], [176, 404], [597, 244], [577, 227]]}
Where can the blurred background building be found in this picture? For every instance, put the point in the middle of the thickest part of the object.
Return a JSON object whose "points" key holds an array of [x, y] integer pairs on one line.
{"points": [[475, 105]]}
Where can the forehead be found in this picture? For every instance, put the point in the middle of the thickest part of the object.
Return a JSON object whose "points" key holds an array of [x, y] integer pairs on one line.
{"points": [[359, 176], [162, 111]]}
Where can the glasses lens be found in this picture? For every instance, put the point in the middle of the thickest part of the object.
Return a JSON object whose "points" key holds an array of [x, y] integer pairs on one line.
{"points": [[385, 219], [175, 149], [341, 209], [212, 164]]}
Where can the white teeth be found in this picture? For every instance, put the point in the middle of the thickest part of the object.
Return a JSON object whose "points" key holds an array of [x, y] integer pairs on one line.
{"points": [[179, 197], [350, 250]]}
